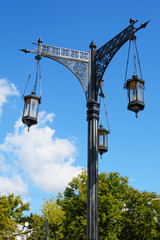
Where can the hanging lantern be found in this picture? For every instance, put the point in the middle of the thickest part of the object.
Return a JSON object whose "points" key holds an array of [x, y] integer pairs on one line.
{"points": [[135, 85], [102, 140], [30, 112], [135, 88], [31, 102]]}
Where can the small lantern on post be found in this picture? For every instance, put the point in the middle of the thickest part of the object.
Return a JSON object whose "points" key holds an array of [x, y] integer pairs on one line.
{"points": [[135, 88], [30, 112], [102, 140]]}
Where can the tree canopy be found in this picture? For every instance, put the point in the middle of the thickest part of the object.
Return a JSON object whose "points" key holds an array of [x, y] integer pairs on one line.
{"points": [[124, 213], [11, 211]]}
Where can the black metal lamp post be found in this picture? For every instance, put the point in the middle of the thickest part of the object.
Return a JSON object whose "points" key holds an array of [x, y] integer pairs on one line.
{"points": [[89, 68]]}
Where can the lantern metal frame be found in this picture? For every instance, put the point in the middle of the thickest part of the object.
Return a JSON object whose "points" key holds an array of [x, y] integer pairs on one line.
{"points": [[31, 107], [135, 88], [102, 145]]}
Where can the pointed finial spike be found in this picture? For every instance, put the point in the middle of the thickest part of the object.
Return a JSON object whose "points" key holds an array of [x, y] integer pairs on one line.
{"points": [[143, 25], [40, 40], [92, 45], [132, 21], [24, 50]]}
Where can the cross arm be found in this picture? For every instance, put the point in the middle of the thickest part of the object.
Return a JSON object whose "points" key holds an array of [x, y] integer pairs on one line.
{"points": [[76, 61]]}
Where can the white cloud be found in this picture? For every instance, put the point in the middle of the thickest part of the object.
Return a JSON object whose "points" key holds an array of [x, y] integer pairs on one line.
{"points": [[11, 185], [46, 160], [6, 89], [4, 167], [43, 117]]}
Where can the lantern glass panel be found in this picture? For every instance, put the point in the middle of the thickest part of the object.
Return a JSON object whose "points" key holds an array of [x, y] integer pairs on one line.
{"points": [[106, 140], [101, 143], [34, 108], [140, 91], [26, 107], [132, 91]]}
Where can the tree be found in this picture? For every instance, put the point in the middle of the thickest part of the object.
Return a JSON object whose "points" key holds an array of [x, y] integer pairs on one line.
{"points": [[74, 204], [124, 213], [11, 211], [37, 223], [140, 218], [56, 217]]}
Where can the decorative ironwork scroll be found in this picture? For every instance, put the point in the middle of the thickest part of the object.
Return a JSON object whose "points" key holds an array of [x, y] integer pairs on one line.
{"points": [[79, 68], [65, 53], [107, 51], [76, 61]]}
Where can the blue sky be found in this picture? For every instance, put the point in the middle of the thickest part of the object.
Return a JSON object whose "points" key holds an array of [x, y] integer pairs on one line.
{"points": [[40, 163]]}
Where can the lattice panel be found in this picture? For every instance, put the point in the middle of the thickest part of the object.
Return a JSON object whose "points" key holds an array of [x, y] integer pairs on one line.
{"points": [[79, 68], [65, 53], [106, 52]]}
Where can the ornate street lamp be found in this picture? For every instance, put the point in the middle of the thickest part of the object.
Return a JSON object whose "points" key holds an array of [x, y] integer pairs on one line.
{"points": [[135, 88], [89, 68]]}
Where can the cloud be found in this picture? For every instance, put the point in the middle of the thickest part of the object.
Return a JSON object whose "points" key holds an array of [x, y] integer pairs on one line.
{"points": [[43, 117], [4, 167], [6, 89], [47, 161], [9, 185]]}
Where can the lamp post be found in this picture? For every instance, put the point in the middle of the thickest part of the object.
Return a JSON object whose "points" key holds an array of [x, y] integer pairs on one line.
{"points": [[89, 68]]}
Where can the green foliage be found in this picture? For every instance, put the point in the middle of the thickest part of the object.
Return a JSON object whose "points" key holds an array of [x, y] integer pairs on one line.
{"points": [[11, 211], [124, 213], [55, 215], [140, 220], [38, 224], [74, 205]]}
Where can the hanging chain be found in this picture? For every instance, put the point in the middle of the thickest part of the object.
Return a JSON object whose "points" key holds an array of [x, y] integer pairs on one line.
{"points": [[103, 96], [28, 79], [40, 79], [106, 115], [38, 73], [135, 64], [35, 85], [125, 79], [99, 104], [138, 60], [135, 50]]}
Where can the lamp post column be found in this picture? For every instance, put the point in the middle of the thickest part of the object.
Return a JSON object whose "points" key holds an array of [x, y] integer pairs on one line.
{"points": [[92, 117]]}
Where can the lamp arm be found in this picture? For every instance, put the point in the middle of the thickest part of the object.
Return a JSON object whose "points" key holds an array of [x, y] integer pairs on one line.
{"points": [[105, 54]]}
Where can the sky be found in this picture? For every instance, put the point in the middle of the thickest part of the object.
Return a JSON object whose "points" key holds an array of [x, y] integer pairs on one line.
{"points": [[40, 163]]}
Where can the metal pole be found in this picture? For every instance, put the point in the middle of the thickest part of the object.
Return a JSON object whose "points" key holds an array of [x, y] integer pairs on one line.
{"points": [[46, 229], [92, 117]]}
